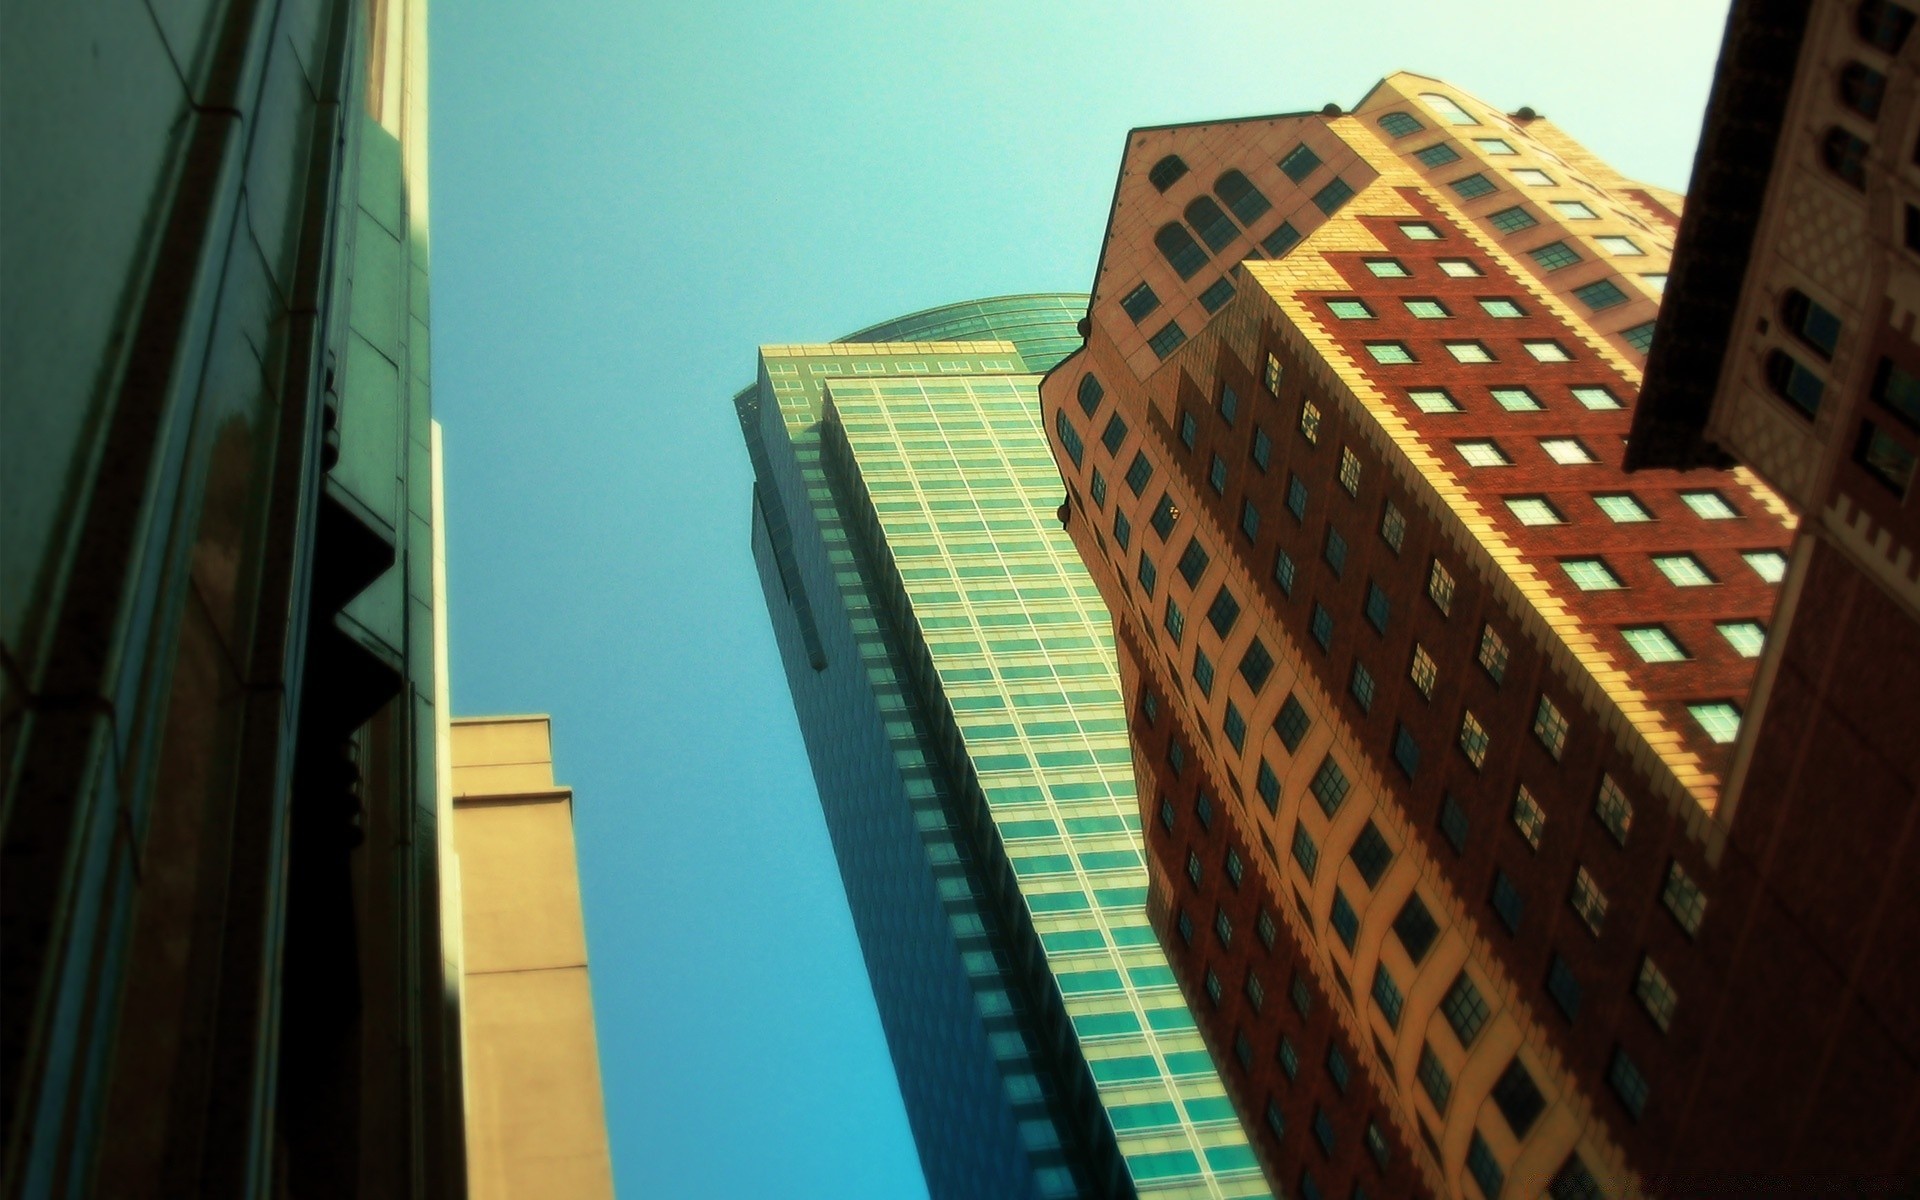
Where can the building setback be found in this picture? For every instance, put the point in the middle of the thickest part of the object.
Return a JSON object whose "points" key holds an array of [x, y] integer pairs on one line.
{"points": [[1434, 706], [952, 669]]}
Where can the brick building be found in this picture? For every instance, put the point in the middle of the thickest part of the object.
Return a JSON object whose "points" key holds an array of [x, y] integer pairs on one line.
{"points": [[1434, 706]]}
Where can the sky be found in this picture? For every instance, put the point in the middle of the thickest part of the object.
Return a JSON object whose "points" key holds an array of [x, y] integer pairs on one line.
{"points": [[627, 198]]}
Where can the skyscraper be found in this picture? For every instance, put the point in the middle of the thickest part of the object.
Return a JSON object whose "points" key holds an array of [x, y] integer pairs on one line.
{"points": [[227, 932], [1424, 687], [952, 669]]}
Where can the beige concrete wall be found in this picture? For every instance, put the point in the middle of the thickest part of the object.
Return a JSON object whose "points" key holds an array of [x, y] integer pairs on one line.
{"points": [[536, 1125]]}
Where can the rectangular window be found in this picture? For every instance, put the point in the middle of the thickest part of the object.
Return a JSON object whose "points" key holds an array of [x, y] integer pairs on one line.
{"points": [[1344, 920], [1281, 240], [1299, 163], [1433, 400], [1138, 473], [1588, 900], [1377, 607], [1628, 1083], [1175, 621], [1419, 231], [1271, 375], [1406, 751], [1493, 653], [1622, 508], [1388, 268], [1099, 489], [1533, 177], [1614, 809], [1550, 727], [1202, 671], [1469, 352], [1390, 353], [1654, 644], [1416, 928], [1292, 724], [1139, 303], [1563, 987], [1513, 220], [1297, 497], [1283, 571], [1770, 565], [1621, 246], [1235, 727], [1255, 665], [1149, 574], [1069, 438], [1440, 587], [1262, 449], [1349, 470], [1507, 901], [1434, 1080], [1167, 340], [1720, 720], [1217, 475], [1601, 294], [1360, 684], [1437, 155], [1656, 994], [1545, 351], [1329, 786], [1483, 454], [1640, 337], [1165, 514], [1485, 1168], [1528, 817], [1501, 308], [1350, 310], [1464, 1010], [1122, 529], [1393, 526], [1304, 851], [1268, 785], [1217, 294], [1310, 422], [1335, 551], [1709, 506], [1329, 198], [1682, 570], [1386, 994], [1454, 823], [1590, 574], [1193, 562], [1518, 1098], [1574, 210], [1459, 268], [1515, 399], [1223, 612], [1597, 398], [1115, 434], [1555, 255], [1684, 899], [1189, 430], [1473, 740], [1473, 186], [1423, 672], [1534, 510], [1371, 854], [1747, 638], [1568, 452]]}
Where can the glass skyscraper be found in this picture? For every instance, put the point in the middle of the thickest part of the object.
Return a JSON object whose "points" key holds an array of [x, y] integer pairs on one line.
{"points": [[952, 667]]}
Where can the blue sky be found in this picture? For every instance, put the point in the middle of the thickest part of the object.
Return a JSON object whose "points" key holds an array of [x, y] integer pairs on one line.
{"points": [[629, 197]]}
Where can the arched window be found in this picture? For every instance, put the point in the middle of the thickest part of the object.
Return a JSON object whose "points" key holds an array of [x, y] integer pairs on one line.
{"points": [[1213, 226], [1884, 24], [1846, 156], [1241, 196], [1399, 124], [1177, 246], [1166, 172], [1091, 394], [1862, 89], [1810, 323], [1793, 382]]}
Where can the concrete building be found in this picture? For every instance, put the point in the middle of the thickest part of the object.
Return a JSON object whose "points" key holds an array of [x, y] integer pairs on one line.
{"points": [[952, 669], [227, 920], [536, 1125], [1436, 710]]}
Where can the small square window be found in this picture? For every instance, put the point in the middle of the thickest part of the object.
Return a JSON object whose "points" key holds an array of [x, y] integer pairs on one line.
{"points": [[1329, 198], [1474, 186], [1654, 644], [1747, 638], [1193, 562], [1139, 303], [1202, 671], [1564, 987], [1299, 163], [1720, 720], [1534, 510], [1597, 398], [1437, 155], [1614, 809], [1165, 514], [1390, 353], [1305, 852], [1473, 740], [1515, 399], [1149, 574], [1628, 1083], [1433, 400], [1623, 246], [1709, 506], [1590, 574], [1770, 565], [1528, 817], [1434, 1080], [1310, 422], [1292, 724], [1139, 473], [1329, 786], [1283, 571], [1386, 994], [1684, 899], [1547, 351], [1493, 653], [1427, 310], [1423, 672], [1262, 450], [1506, 901], [1656, 994], [1518, 1098], [1167, 340], [1350, 310], [1249, 520], [1513, 220], [1682, 570], [1588, 900], [1483, 454], [1387, 268], [1440, 587], [1344, 920], [1270, 377], [1460, 268], [1335, 551], [1574, 210], [1601, 294], [1494, 146], [1568, 452], [1622, 508], [1464, 1010], [1554, 255], [1499, 306], [1532, 177], [1550, 726], [1393, 526], [1640, 337], [1217, 475], [1469, 352], [1416, 928], [1453, 823], [1419, 231], [1361, 686], [1349, 470]]}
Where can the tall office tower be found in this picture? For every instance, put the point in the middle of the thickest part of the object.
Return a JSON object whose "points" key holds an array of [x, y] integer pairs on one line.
{"points": [[223, 684], [1434, 706], [952, 669]]}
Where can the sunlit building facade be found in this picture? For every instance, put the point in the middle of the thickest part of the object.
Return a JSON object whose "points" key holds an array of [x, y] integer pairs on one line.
{"points": [[952, 669], [1435, 707]]}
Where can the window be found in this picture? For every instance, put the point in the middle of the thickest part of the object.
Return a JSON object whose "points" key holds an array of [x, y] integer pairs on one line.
{"points": [[1720, 720], [1588, 900], [1597, 398], [1321, 626], [1534, 510], [1419, 231], [1515, 399], [1502, 308], [1883, 24], [1335, 551], [1270, 374], [1310, 422], [1214, 989], [1656, 281], [1845, 154], [1547, 351], [1329, 786], [1194, 871], [1518, 1098], [1165, 514], [1493, 653], [1268, 785], [1399, 124], [1433, 400], [1614, 809], [1624, 247], [1122, 529], [1654, 644], [1532, 177], [1299, 163], [1149, 574], [1452, 112], [1483, 454], [1628, 1083], [1512, 220], [1393, 526], [1166, 172], [1555, 255], [1390, 353], [1249, 520], [1423, 672], [1458, 268], [1350, 310], [1217, 475], [1167, 818], [1440, 587], [1246, 201], [1210, 223], [1223, 927], [1437, 155], [1235, 871], [1069, 437], [1256, 996], [1528, 817], [1469, 352], [1175, 621], [1640, 337], [1473, 186], [1224, 611], [1139, 472], [1684, 899], [1281, 240], [1265, 929], [1304, 851], [1140, 302], [1177, 759], [1574, 210], [1601, 294], [1292, 724], [1564, 987], [1193, 562], [1473, 740], [1346, 923], [1416, 928], [1182, 253], [1484, 1167], [1283, 571], [1349, 470], [1371, 854], [1885, 458], [1427, 310], [1495, 147], [1464, 1010], [1262, 449], [1377, 607], [1506, 901], [1229, 403], [1656, 994], [1116, 433], [1388, 268], [1550, 726], [1323, 1133], [1099, 489], [1453, 823], [1406, 751], [1810, 322], [1434, 1080], [1709, 506], [1897, 391], [1217, 294], [1682, 570], [1235, 727], [1746, 637], [1202, 672], [1091, 393], [1568, 452], [1386, 994], [1590, 574], [1189, 429], [1167, 340]]}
